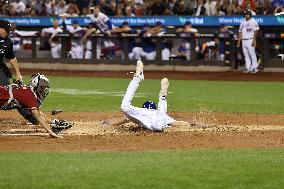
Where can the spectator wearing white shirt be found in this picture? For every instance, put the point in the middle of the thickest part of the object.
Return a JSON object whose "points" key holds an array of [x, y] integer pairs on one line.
{"points": [[19, 6], [52, 10], [129, 12], [210, 7], [219, 11], [38, 6], [200, 9], [55, 28], [62, 7]]}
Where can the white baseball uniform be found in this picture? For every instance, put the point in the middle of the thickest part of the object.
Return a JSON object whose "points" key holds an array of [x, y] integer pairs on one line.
{"points": [[101, 22], [55, 47], [55, 50], [77, 49], [51, 30], [138, 52], [88, 50], [155, 120], [247, 28]]}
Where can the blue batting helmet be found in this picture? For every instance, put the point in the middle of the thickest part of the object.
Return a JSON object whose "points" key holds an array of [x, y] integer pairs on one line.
{"points": [[149, 105]]}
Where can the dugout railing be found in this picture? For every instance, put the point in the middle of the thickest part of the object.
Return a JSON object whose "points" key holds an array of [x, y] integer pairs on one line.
{"points": [[231, 52]]}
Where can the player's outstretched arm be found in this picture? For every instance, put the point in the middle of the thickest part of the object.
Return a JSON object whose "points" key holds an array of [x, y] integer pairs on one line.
{"points": [[14, 64], [48, 120], [43, 123], [88, 33]]}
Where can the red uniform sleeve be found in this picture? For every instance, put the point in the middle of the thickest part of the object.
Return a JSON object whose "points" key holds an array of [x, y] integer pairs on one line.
{"points": [[26, 97], [4, 95]]}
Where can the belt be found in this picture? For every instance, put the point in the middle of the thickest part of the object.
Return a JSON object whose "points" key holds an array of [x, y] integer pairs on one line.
{"points": [[247, 39]]}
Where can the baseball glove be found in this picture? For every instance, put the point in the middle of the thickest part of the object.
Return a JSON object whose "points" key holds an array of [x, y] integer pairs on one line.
{"points": [[58, 125]]}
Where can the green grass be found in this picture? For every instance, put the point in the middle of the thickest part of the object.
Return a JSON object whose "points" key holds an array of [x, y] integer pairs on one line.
{"points": [[238, 169], [105, 94], [247, 168]]}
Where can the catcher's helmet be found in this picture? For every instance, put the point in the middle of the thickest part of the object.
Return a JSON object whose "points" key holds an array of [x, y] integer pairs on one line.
{"points": [[149, 105], [248, 12], [40, 85], [6, 25]]}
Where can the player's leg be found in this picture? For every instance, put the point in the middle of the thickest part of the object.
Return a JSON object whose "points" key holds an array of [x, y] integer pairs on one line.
{"points": [[253, 57], [149, 56], [247, 57], [3, 78], [131, 55], [137, 52], [73, 52], [132, 87], [140, 116], [166, 54], [162, 104], [99, 48], [79, 52], [88, 54], [16, 48], [56, 50]]}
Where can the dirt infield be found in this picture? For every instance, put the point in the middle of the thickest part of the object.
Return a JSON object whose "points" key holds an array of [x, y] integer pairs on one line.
{"points": [[213, 130]]}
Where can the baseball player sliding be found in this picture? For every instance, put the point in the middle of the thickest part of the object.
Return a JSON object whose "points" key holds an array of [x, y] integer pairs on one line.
{"points": [[247, 34], [148, 116]]}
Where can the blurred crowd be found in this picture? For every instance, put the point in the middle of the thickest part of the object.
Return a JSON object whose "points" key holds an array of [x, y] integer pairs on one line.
{"points": [[130, 8]]}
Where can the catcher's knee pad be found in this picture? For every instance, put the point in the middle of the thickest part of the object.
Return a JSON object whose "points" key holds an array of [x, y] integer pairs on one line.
{"points": [[27, 114]]}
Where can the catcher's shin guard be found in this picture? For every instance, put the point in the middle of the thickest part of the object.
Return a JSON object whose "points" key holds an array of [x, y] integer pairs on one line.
{"points": [[27, 114]]}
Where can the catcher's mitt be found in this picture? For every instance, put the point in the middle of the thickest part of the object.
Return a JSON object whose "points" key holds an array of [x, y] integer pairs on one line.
{"points": [[58, 125]]}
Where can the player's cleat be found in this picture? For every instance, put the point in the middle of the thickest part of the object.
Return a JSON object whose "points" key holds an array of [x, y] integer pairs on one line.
{"points": [[246, 71], [139, 70], [164, 87], [254, 70]]}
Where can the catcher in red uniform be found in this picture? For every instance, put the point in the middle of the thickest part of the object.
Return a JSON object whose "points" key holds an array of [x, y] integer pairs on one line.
{"points": [[30, 97]]}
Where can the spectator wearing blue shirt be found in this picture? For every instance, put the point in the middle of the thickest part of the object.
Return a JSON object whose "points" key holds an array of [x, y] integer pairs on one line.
{"points": [[146, 49]]}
